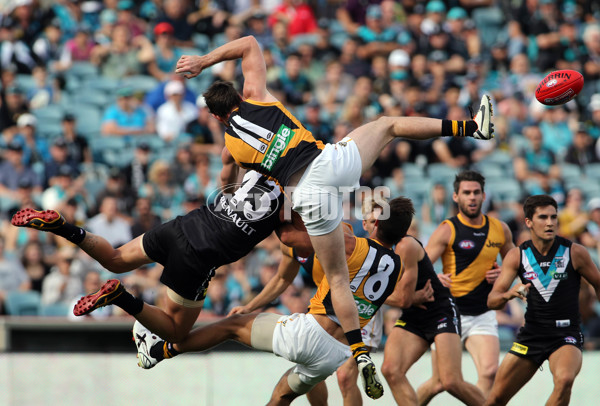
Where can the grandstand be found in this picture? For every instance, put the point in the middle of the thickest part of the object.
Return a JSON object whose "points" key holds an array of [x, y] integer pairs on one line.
{"points": [[90, 107]]}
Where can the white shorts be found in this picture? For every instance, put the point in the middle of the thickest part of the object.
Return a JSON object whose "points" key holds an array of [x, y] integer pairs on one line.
{"points": [[372, 332], [300, 339], [319, 193], [484, 324]]}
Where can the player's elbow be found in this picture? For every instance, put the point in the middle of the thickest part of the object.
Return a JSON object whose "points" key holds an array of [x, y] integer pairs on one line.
{"points": [[492, 303]]}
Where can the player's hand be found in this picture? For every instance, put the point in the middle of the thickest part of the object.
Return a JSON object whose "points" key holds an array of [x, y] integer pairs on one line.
{"points": [[239, 310], [190, 66], [520, 291], [425, 295], [445, 279], [492, 274]]}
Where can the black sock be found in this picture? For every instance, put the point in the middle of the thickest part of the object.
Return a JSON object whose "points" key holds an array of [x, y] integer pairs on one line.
{"points": [[163, 350], [129, 303], [71, 232], [454, 128]]}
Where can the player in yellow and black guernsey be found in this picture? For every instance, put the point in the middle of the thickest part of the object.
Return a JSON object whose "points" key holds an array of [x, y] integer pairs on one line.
{"points": [[469, 245], [549, 269], [263, 135]]}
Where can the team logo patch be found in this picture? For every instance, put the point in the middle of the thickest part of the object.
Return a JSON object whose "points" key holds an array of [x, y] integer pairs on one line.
{"points": [[559, 262], [530, 275], [301, 260], [570, 340], [551, 83], [466, 244], [519, 349]]}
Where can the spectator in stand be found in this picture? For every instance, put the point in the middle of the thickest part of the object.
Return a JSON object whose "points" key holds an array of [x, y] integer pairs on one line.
{"points": [[108, 20], [136, 173], [35, 149], [183, 163], [175, 13], [582, 151], [296, 15], [14, 51], [35, 265], [256, 25], [175, 114], [165, 53], [438, 206], [63, 283], [166, 196], [59, 157], [77, 145], [117, 187], [126, 16], [378, 39], [535, 161], [48, 47], [123, 119], [555, 127], [206, 131], [14, 104], [594, 119], [63, 185], [13, 171], [110, 224], [320, 129], [143, 218], [573, 218], [591, 236], [123, 56], [292, 87], [334, 88], [353, 14], [77, 49], [201, 183], [156, 97], [42, 94], [12, 275]]}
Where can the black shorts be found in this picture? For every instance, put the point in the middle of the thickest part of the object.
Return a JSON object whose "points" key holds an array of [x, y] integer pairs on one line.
{"points": [[185, 271], [538, 343], [428, 324]]}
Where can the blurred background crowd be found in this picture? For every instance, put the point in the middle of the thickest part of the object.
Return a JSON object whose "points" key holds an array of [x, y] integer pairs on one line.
{"points": [[95, 124]]}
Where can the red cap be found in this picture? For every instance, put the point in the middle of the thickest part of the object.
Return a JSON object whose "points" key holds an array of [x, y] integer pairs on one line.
{"points": [[163, 28]]}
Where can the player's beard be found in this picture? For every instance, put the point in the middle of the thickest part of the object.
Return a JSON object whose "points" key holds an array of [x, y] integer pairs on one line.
{"points": [[464, 209]]}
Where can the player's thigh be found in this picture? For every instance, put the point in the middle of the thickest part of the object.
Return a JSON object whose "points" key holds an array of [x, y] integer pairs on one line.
{"points": [[448, 349], [485, 350], [403, 349], [565, 363], [330, 250], [132, 253], [184, 316], [370, 140], [513, 374]]}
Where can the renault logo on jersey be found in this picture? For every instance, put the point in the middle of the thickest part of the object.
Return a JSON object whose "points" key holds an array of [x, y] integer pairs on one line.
{"points": [[466, 244], [278, 145]]}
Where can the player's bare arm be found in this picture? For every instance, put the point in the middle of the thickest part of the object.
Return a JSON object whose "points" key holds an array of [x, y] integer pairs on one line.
{"points": [[582, 262], [287, 271], [229, 172], [437, 245], [508, 240], [253, 66], [405, 294], [502, 291]]}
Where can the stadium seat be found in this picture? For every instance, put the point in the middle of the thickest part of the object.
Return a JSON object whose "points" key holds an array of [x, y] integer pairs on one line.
{"points": [[25, 82], [94, 97], [499, 157], [505, 190], [48, 129], [491, 170], [202, 42], [570, 171], [20, 303], [52, 113], [417, 190], [592, 171], [55, 310], [140, 82], [83, 70], [439, 172], [89, 118], [102, 145], [107, 85], [412, 171], [156, 143]]}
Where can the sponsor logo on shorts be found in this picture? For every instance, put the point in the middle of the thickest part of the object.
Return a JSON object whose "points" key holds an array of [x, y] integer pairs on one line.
{"points": [[400, 322], [466, 244], [442, 325], [519, 348], [530, 275], [366, 309], [278, 145], [570, 340]]}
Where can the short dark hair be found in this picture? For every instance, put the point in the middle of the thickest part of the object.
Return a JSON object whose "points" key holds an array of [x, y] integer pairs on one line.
{"points": [[221, 98], [394, 228], [468, 176], [532, 202]]}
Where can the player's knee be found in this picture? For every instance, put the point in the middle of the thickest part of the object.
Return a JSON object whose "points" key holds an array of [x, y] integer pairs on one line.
{"points": [[450, 383], [564, 382], [346, 377], [488, 373], [391, 371]]}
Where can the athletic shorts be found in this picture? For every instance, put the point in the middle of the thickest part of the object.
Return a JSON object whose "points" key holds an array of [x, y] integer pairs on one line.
{"points": [[538, 343], [319, 193], [299, 338], [427, 325], [372, 332], [484, 324], [185, 271]]}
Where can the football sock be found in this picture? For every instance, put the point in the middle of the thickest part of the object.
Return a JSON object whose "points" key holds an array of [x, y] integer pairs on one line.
{"points": [[455, 128], [71, 232], [129, 303], [163, 350], [357, 346]]}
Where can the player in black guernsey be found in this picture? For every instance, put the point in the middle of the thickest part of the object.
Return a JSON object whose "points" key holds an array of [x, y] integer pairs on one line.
{"points": [[549, 269], [189, 247]]}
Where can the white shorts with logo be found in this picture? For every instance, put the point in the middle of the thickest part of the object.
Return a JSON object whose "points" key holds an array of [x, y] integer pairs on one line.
{"points": [[319, 193], [299, 338], [482, 324], [372, 332]]}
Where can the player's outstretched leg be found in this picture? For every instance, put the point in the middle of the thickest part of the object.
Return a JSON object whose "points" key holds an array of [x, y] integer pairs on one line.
{"points": [[47, 220], [368, 374], [106, 295]]}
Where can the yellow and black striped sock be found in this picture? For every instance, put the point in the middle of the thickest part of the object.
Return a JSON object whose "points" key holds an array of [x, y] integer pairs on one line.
{"points": [[169, 351], [455, 128]]}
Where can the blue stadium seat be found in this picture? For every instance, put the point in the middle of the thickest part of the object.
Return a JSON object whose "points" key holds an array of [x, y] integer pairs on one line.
{"points": [[442, 173], [101, 146], [22, 303], [55, 310], [140, 82], [25, 82], [94, 97], [156, 143], [412, 171], [491, 170], [570, 171], [505, 190], [89, 118], [592, 171], [83, 70], [107, 85], [51, 113], [48, 129]]}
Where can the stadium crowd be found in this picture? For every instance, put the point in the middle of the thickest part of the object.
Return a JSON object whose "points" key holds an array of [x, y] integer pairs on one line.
{"points": [[95, 124]]}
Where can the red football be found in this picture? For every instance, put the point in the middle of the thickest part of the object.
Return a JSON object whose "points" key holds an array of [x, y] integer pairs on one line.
{"points": [[559, 87]]}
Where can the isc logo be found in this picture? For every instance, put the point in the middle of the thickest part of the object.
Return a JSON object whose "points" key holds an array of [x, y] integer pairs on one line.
{"points": [[466, 244]]}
